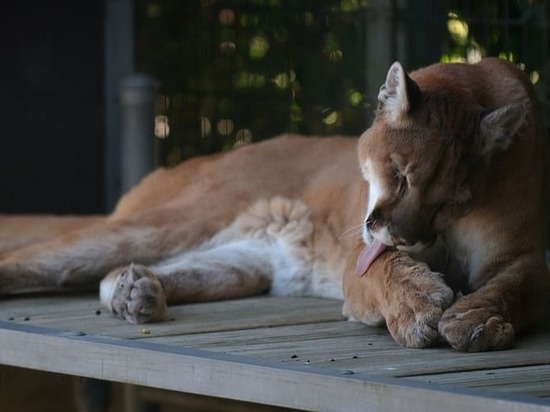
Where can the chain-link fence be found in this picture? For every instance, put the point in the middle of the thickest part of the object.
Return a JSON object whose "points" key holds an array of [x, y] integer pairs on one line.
{"points": [[237, 71]]}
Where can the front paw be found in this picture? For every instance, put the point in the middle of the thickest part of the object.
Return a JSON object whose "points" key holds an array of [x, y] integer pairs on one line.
{"points": [[475, 328], [134, 293], [414, 316]]}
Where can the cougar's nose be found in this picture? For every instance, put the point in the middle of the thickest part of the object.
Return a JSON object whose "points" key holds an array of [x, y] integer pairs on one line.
{"points": [[373, 219]]}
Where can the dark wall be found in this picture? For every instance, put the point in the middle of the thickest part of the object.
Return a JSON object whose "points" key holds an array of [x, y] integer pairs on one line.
{"points": [[52, 129]]}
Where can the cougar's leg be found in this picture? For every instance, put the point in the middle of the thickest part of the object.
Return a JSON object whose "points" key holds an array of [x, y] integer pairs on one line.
{"points": [[267, 245], [17, 231], [82, 257], [406, 294], [238, 268], [488, 318]]}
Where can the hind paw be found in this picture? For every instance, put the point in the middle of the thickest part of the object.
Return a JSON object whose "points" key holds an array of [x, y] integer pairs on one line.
{"points": [[134, 293]]}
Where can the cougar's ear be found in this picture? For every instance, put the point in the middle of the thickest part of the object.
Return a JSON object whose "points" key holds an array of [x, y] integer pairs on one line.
{"points": [[398, 95], [499, 127]]}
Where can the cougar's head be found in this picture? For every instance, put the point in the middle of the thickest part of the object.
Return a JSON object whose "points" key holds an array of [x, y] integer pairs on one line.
{"points": [[425, 154]]}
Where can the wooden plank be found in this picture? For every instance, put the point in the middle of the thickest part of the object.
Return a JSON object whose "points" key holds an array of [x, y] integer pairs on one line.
{"points": [[349, 346], [528, 380], [307, 334], [249, 327], [235, 377], [79, 313]]}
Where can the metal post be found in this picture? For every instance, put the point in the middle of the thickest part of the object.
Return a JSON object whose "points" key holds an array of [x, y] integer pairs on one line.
{"points": [[385, 43], [137, 96], [119, 58]]}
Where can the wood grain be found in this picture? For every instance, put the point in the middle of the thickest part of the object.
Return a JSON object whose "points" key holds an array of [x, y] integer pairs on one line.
{"points": [[297, 353]]}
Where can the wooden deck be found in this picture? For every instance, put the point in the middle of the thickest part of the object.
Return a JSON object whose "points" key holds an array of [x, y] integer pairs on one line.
{"points": [[296, 353]]}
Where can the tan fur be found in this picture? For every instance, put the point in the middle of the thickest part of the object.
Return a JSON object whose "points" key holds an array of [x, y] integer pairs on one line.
{"points": [[22, 230], [461, 166], [287, 215]]}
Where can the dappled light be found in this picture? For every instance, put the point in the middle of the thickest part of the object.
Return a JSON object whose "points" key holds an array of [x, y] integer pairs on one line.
{"points": [[466, 49], [227, 17], [233, 72], [242, 138], [502, 35], [284, 79], [458, 29], [162, 128], [206, 127], [259, 46], [534, 77], [331, 118], [236, 72], [225, 127], [355, 97]]}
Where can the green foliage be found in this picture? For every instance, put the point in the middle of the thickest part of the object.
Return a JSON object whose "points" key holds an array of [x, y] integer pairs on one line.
{"points": [[512, 30], [237, 71]]}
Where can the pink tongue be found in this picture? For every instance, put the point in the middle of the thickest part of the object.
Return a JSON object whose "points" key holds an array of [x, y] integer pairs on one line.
{"points": [[367, 256]]}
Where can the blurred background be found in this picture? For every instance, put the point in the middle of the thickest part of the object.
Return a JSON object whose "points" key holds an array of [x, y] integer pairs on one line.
{"points": [[227, 73]]}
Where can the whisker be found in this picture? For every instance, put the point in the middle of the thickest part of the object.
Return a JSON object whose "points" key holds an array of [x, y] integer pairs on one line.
{"points": [[352, 231]]}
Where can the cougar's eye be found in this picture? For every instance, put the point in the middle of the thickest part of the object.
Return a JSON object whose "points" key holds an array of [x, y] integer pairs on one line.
{"points": [[402, 183]]}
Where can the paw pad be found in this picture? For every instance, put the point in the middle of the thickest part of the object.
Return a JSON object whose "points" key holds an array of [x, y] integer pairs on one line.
{"points": [[134, 293]]}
